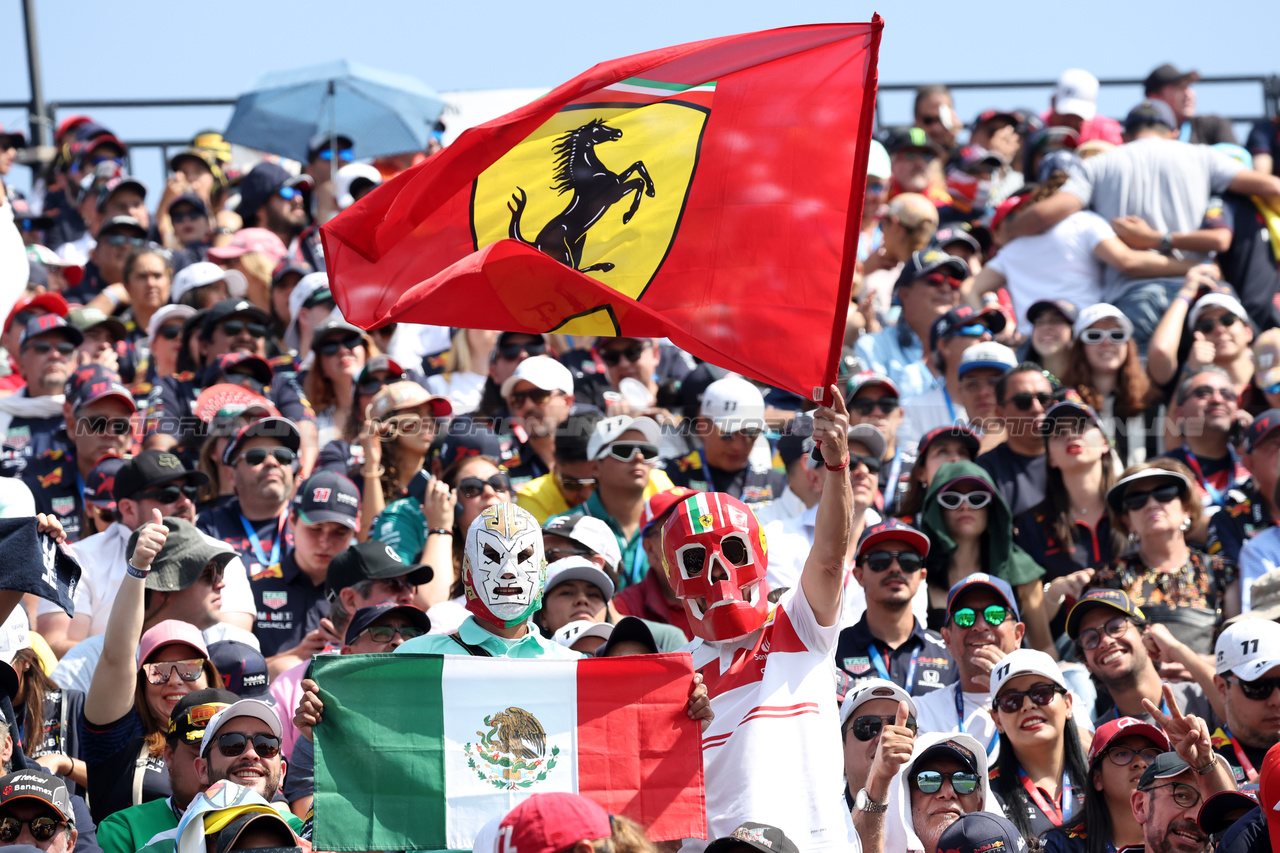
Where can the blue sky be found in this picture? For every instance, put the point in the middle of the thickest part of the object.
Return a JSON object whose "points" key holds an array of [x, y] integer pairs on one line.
{"points": [[153, 49]]}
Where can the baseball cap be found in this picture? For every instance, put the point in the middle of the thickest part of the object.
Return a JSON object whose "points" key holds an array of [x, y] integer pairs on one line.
{"points": [[952, 235], [874, 688], [1266, 358], [1025, 662], [1115, 495], [948, 749], [86, 318], [120, 182], [366, 616], [972, 156], [152, 468], [99, 486], [906, 138], [549, 823], [1062, 160], [1008, 206], [889, 530], [372, 560], [660, 504], [1076, 94], [981, 832], [53, 303], [866, 379], [1150, 113], [286, 267], [334, 326], [797, 441], [329, 496], [865, 434], [980, 579], [121, 222], [406, 394], [1166, 75], [1070, 407], [191, 199], [967, 436], [580, 629], [758, 836], [541, 371], [203, 274], [15, 635], [1125, 727], [878, 164], [733, 404], [259, 821], [609, 430], [578, 569], [987, 354], [351, 177], [1165, 766], [255, 708], [247, 240], [1216, 811], [92, 392], [242, 667], [1248, 649], [1062, 306], [37, 785], [629, 629], [183, 558], [589, 532], [254, 366], [985, 116], [1115, 599], [1099, 311], [467, 438], [920, 264], [167, 633], [1262, 426], [168, 312], [283, 430], [1224, 301], [194, 711], [257, 186], [378, 364], [229, 308], [47, 324]]}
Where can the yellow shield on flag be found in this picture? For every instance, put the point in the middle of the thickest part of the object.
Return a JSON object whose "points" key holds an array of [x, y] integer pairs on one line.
{"points": [[600, 188]]}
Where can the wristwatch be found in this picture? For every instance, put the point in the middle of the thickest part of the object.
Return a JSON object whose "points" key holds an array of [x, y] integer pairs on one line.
{"points": [[863, 802], [1166, 243]]}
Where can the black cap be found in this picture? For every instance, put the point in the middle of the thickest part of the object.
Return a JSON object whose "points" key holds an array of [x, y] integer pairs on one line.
{"points": [[961, 316], [922, 263], [366, 616], [261, 822], [757, 836], [227, 308], [953, 234], [329, 496], [287, 266], [257, 186], [194, 711], [982, 832], [905, 138], [629, 629], [49, 790], [99, 486], [1216, 814], [242, 667], [1150, 113], [1167, 75], [48, 323], [372, 560], [191, 199], [1261, 427], [123, 182], [152, 468], [797, 441], [948, 749], [122, 222], [964, 434], [465, 438], [1062, 306], [1166, 766], [183, 558], [282, 430], [333, 327], [251, 365]]}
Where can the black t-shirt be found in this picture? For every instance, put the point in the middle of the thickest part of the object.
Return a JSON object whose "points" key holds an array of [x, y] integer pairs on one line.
{"points": [[61, 734], [923, 657], [226, 523], [1039, 821], [31, 437], [1248, 264], [55, 484], [1091, 548], [1020, 479], [113, 754]]}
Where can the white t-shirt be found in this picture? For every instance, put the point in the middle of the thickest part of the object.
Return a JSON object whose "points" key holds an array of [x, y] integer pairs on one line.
{"points": [[926, 412], [936, 712], [1058, 264], [772, 754]]}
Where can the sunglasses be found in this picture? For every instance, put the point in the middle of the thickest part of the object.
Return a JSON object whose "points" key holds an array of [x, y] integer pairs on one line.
{"points": [[1122, 756], [176, 216], [625, 451], [1137, 500], [537, 396], [258, 455], [1184, 795], [510, 351], [1258, 690], [372, 386], [43, 347], [560, 553], [1092, 638], [473, 487], [886, 405], [1024, 400], [750, 435], [869, 726], [926, 156], [170, 494], [974, 330], [1208, 392], [331, 346], [633, 352], [938, 279], [386, 633], [289, 193], [42, 828], [1011, 701], [1207, 325], [171, 333], [407, 425], [955, 500], [187, 670], [1093, 337], [343, 154], [880, 561], [232, 328], [119, 240], [212, 575], [930, 781], [574, 484], [994, 615], [100, 425], [232, 744]]}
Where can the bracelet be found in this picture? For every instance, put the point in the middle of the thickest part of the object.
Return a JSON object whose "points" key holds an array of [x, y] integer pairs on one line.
{"points": [[840, 467], [1057, 603], [1208, 767], [1186, 299], [222, 229], [382, 469], [134, 572], [112, 295], [439, 530]]}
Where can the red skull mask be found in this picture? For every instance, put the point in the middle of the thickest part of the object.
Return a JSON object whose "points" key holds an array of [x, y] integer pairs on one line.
{"points": [[714, 554]]}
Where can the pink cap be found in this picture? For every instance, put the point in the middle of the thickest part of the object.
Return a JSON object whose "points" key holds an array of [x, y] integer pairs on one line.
{"points": [[251, 240], [168, 632]]}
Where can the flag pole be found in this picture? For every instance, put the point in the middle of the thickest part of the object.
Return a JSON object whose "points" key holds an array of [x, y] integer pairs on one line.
{"points": [[853, 219]]}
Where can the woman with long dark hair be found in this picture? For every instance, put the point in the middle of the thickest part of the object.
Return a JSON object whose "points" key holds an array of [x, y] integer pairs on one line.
{"points": [[49, 714]]}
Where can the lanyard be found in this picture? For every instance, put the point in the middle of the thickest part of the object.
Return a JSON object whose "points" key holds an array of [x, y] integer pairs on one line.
{"points": [[1055, 812], [256, 543], [1245, 764], [879, 663], [951, 410], [891, 485], [80, 489], [635, 564], [995, 736], [1184, 132], [1219, 497]]}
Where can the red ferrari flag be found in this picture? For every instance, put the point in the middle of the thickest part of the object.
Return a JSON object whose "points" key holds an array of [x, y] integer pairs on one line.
{"points": [[710, 193]]}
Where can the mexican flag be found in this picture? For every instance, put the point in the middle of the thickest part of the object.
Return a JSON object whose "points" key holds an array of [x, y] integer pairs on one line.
{"points": [[417, 752]]}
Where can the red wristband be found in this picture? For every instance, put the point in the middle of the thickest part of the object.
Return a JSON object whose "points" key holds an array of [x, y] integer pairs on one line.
{"points": [[840, 467]]}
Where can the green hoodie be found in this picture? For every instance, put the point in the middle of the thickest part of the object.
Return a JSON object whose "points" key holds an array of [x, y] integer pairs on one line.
{"points": [[1004, 558]]}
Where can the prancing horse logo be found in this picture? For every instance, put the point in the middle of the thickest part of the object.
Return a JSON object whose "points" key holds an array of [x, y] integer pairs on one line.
{"points": [[595, 189]]}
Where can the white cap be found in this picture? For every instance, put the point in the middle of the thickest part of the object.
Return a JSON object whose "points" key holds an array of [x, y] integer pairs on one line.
{"points": [[578, 569], [346, 176], [203, 273], [1100, 311], [874, 688], [166, 313], [307, 285], [1248, 649], [589, 532], [987, 354], [15, 635], [1216, 300], [608, 430], [733, 404], [244, 708], [878, 165], [1025, 662], [575, 631], [1076, 94], [543, 372]]}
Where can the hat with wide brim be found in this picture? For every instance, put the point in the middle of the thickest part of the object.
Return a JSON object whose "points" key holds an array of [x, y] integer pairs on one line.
{"points": [[1115, 495]]}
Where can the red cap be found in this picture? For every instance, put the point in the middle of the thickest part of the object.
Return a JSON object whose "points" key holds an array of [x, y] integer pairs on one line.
{"points": [[1009, 205], [51, 302], [168, 632], [548, 823], [1269, 788], [1124, 727]]}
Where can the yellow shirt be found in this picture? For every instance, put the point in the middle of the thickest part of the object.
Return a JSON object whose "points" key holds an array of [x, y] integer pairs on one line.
{"points": [[543, 499]]}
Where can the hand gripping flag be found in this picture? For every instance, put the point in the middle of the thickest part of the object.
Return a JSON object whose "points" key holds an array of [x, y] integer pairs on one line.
{"points": [[710, 193]]}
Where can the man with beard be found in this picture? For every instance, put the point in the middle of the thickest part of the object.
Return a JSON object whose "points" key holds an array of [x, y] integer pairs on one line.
{"points": [[1171, 791], [1207, 411], [1120, 650], [1248, 678], [241, 744], [272, 199], [539, 395], [1018, 466]]}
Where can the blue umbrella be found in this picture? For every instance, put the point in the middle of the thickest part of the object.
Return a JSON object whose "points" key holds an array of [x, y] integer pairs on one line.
{"points": [[382, 112]]}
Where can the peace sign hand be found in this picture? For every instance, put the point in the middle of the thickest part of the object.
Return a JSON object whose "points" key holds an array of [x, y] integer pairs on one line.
{"points": [[1188, 734]]}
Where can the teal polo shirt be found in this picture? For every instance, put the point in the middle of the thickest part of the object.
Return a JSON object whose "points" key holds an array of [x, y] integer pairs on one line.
{"points": [[635, 563], [531, 645]]}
